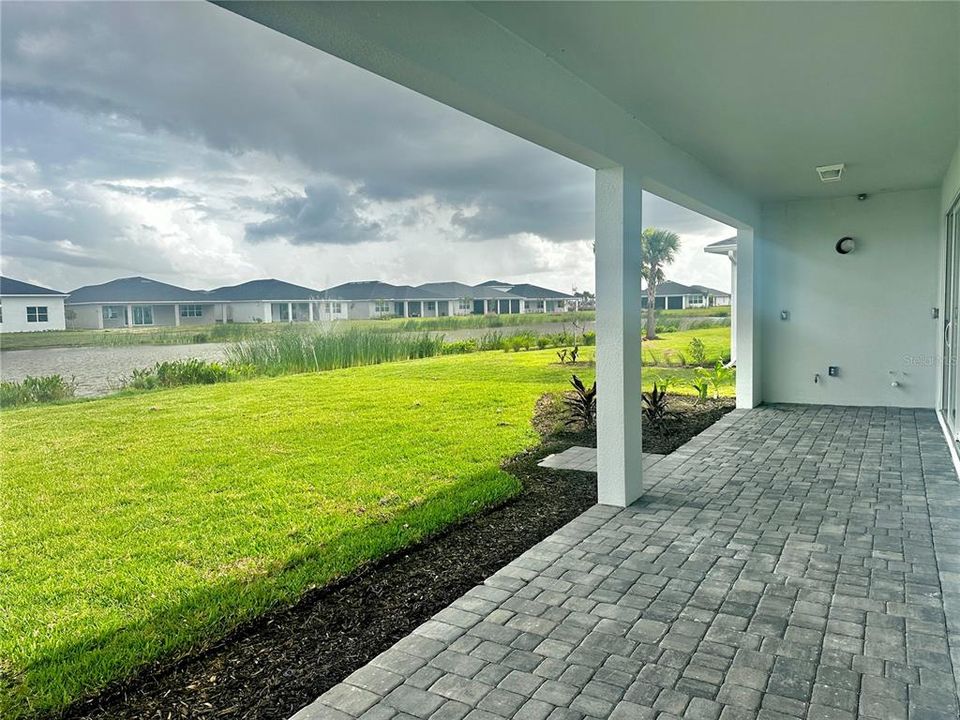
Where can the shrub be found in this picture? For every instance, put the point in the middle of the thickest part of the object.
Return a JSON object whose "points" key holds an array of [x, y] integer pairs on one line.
{"points": [[582, 403], [459, 347], [175, 373], [36, 390], [589, 338], [698, 352]]}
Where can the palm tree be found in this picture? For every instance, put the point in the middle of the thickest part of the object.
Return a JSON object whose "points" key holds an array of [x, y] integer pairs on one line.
{"points": [[659, 247]]}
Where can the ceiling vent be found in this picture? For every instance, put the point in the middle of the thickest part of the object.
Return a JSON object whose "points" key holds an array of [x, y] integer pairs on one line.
{"points": [[830, 173]]}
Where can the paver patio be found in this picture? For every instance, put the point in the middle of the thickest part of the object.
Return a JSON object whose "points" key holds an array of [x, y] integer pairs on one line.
{"points": [[584, 459], [789, 562]]}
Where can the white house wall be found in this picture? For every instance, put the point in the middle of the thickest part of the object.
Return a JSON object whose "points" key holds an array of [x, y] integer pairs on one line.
{"points": [[869, 312], [84, 316], [15, 313]]}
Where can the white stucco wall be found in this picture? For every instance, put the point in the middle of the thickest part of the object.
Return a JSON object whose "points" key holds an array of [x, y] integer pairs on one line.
{"points": [[248, 312], [15, 313], [84, 316], [869, 312]]}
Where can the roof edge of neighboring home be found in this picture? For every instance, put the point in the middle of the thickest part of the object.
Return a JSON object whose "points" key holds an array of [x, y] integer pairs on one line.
{"points": [[722, 246], [38, 290]]}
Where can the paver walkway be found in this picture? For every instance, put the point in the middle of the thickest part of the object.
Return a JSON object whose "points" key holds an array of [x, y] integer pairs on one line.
{"points": [[790, 562], [585, 459]]}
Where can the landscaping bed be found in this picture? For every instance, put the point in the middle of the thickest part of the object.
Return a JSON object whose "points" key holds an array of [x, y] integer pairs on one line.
{"points": [[271, 667], [685, 418]]}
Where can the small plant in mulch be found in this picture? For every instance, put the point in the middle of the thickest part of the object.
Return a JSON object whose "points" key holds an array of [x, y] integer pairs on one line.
{"points": [[574, 354], [701, 383], [655, 403], [562, 354], [719, 377], [582, 403]]}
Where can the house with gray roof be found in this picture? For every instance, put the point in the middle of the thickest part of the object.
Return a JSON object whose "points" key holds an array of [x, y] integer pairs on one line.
{"points": [[138, 302], [676, 296], [270, 300], [534, 298], [25, 307], [368, 299]]}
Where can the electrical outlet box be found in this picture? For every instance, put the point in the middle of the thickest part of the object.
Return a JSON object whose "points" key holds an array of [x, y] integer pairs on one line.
{"points": [[833, 371], [784, 314], [935, 313]]}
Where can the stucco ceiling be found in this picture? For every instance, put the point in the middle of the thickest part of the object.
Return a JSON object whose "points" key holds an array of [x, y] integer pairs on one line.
{"points": [[764, 92]]}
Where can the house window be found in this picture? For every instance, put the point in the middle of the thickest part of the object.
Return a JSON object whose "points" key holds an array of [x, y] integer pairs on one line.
{"points": [[431, 305], [382, 307], [37, 314], [143, 314], [191, 311], [113, 312], [336, 308], [465, 304]]}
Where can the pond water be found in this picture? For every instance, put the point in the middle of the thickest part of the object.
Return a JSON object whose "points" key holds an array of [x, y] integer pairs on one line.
{"points": [[100, 370]]}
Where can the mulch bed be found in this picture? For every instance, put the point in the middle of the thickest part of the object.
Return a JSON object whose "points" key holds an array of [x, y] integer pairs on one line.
{"points": [[685, 418], [287, 658]]}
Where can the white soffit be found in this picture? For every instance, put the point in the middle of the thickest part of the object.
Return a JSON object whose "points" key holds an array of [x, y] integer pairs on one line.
{"points": [[761, 91]]}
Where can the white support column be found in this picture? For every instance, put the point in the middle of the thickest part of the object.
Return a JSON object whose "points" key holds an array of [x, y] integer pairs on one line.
{"points": [[618, 211], [223, 313], [176, 315], [310, 309], [748, 322], [406, 308], [129, 315], [290, 312], [732, 254], [100, 317]]}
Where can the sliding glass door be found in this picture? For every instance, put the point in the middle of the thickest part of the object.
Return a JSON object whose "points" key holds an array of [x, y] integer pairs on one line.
{"points": [[951, 323]]}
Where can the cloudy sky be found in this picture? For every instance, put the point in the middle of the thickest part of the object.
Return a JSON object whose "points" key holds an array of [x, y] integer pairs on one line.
{"points": [[184, 143]]}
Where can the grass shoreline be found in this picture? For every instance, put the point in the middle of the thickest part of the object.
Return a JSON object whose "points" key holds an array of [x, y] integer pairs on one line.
{"points": [[232, 332]]}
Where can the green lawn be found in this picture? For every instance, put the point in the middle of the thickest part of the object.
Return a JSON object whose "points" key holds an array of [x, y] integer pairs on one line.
{"points": [[666, 349], [138, 527]]}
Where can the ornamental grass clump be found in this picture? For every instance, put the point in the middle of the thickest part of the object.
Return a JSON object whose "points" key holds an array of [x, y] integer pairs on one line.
{"points": [[296, 352]]}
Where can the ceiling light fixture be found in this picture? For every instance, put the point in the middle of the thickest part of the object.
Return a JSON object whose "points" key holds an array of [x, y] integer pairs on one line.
{"points": [[830, 173]]}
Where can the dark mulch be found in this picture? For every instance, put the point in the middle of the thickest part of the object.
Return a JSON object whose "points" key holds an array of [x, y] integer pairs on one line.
{"points": [[285, 659], [685, 418]]}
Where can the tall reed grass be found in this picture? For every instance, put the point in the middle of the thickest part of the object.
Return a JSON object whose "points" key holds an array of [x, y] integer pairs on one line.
{"points": [[294, 351]]}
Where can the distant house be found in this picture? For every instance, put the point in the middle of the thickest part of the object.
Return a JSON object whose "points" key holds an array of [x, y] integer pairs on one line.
{"points": [[674, 296], [270, 300], [474, 300], [30, 308], [368, 299], [533, 297], [139, 302]]}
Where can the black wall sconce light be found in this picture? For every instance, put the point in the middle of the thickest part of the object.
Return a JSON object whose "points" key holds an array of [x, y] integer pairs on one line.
{"points": [[845, 245]]}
